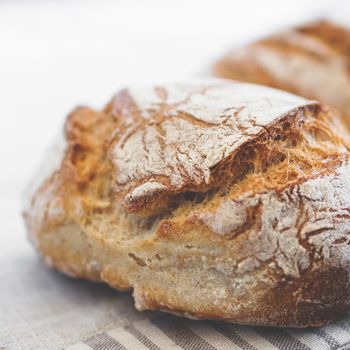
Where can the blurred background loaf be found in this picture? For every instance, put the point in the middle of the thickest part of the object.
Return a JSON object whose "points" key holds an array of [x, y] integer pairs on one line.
{"points": [[311, 60]]}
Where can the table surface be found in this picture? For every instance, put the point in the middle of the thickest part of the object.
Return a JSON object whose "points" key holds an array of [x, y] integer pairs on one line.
{"points": [[55, 55]]}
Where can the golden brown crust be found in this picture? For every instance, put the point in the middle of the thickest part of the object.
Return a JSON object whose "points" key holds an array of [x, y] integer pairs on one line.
{"points": [[311, 60], [182, 138], [268, 245]]}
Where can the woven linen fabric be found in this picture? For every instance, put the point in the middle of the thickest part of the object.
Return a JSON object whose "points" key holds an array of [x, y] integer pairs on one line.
{"points": [[41, 309], [170, 332]]}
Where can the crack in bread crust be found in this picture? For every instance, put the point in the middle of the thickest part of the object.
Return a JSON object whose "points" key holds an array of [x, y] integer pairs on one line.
{"points": [[178, 138], [267, 246]]}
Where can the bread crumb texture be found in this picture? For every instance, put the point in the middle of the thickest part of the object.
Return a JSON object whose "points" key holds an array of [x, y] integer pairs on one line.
{"points": [[209, 199]]}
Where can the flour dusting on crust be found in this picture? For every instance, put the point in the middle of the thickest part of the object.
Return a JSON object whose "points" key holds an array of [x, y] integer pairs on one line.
{"points": [[312, 212], [181, 131], [215, 101]]}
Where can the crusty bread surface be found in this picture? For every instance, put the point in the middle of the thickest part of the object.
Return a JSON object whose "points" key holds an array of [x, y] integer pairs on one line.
{"points": [[209, 199], [312, 60]]}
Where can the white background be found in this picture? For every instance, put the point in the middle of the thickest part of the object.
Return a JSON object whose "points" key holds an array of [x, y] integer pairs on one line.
{"points": [[55, 55]]}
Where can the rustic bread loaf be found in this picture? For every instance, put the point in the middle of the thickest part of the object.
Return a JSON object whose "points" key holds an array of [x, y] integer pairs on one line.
{"points": [[312, 61], [209, 199]]}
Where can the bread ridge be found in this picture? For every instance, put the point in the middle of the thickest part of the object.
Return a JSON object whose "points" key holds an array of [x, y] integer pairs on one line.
{"points": [[247, 256]]}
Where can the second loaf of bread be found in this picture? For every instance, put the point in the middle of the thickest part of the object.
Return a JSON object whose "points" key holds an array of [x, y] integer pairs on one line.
{"points": [[311, 60]]}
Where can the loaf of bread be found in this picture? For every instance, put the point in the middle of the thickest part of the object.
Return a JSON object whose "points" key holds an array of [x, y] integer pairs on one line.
{"points": [[312, 61], [209, 199]]}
